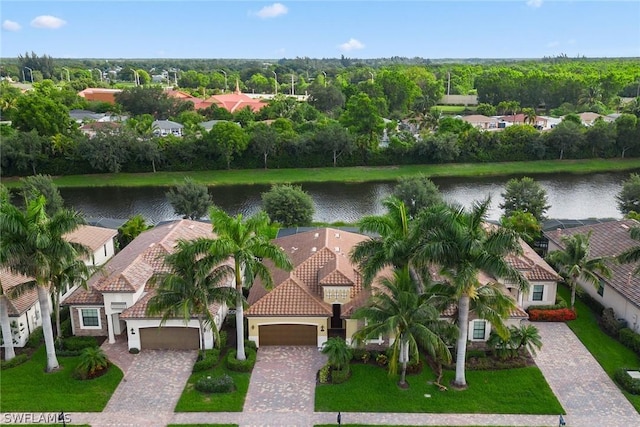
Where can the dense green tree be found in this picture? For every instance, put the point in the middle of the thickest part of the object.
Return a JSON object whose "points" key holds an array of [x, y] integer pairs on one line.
{"points": [[398, 89], [42, 114], [190, 199], [247, 242], [326, 98], [362, 118], [194, 280], [35, 186], [334, 138], [566, 137], [524, 195], [397, 309], [229, 139], [486, 109], [131, 229], [263, 140], [523, 223], [152, 100], [575, 263], [629, 196], [33, 245], [109, 150], [458, 242], [22, 152], [288, 205], [628, 133], [417, 193]]}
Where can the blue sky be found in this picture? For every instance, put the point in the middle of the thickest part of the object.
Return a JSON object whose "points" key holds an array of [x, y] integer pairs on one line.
{"points": [[320, 29]]}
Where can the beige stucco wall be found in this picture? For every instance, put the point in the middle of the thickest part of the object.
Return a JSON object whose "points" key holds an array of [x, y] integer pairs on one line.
{"points": [[336, 294], [256, 322], [548, 295]]}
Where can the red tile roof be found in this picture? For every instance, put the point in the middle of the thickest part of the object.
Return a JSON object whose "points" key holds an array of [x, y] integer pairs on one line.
{"points": [[233, 102], [610, 239], [92, 237], [19, 304]]}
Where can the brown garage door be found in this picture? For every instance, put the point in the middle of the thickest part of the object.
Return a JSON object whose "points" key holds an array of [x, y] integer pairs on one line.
{"points": [[169, 338], [288, 335]]}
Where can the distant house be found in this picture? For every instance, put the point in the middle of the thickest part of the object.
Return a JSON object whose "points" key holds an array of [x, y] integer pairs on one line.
{"points": [[115, 305], [609, 239], [91, 129], [236, 101], [166, 127], [589, 118], [481, 122], [84, 116], [208, 125], [539, 122], [100, 94]]}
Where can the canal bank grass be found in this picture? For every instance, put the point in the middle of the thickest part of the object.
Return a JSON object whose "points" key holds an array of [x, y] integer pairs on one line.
{"points": [[352, 174], [508, 391]]}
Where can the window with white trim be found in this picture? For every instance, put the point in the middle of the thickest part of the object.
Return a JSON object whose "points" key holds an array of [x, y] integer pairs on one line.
{"points": [[90, 318], [479, 329], [538, 293]]}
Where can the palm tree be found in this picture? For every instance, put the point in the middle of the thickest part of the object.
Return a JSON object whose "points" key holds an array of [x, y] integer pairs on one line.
{"points": [[529, 116], [33, 245], [574, 262], [338, 352], [247, 242], [66, 275], [632, 254], [524, 336], [194, 280], [394, 247], [462, 245], [397, 309], [7, 335]]}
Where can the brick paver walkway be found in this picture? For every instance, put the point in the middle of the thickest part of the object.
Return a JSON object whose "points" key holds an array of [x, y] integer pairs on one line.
{"points": [[281, 392]]}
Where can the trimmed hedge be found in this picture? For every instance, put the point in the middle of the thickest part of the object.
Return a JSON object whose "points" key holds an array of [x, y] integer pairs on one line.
{"points": [[626, 382], [340, 376], [560, 315], [560, 303], [78, 343], [221, 384], [18, 360], [629, 339], [241, 365], [35, 338], [207, 359], [610, 323]]}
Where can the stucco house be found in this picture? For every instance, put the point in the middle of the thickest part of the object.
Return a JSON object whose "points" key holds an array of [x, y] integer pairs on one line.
{"points": [[316, 299], [479, 121], [100, 94], [116, 301], [24, 310], [608, 239], [166, 127]]}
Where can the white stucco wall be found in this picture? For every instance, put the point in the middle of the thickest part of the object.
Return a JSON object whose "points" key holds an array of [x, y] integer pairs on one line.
{"points": [[23, 325], [102, 254]]}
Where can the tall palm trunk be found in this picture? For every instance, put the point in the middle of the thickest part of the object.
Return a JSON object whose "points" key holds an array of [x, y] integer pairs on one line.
{"points": [[201, 325], [9, 352], [461, 350], [404, 358], [239, 316], [47, 329], [573, 292], [56, 309]]}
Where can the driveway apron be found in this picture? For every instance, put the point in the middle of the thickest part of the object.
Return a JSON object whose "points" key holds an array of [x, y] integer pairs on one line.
{"points": [[149, 390], [586, 392], [284, 380]]}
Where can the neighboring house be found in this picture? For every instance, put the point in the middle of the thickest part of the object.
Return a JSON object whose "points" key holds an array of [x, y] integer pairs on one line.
{"points": [[588, 118], [236, 101], [481, 122], [84, 116], [609, 239], [315, 301], [92, 129], [208, 125], [100, 94], [115, 303], [166, 127], [539, 122], [24, 311]]}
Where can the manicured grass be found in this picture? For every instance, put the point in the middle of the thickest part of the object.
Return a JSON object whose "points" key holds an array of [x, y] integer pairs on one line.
{"points": [[202, 425], [353, 174], [610, 353], [194, 401], [370, 389], [27, 388], [453, 109]]}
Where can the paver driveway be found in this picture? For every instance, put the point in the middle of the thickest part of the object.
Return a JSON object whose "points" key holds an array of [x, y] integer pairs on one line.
{"points": [[149, 390], [284, 380]]}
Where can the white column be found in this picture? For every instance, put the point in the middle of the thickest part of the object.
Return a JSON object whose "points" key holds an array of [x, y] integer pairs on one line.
{"points": [[112, 338]]}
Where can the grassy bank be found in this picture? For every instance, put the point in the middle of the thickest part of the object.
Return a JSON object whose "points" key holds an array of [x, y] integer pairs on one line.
{"points": [[354, 174]]}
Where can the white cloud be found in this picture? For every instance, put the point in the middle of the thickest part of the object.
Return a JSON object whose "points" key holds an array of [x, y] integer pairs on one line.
{"points": [[352, 44], [47, 21], [272, 11], [11, 25], [534, 3], [553, 44]]}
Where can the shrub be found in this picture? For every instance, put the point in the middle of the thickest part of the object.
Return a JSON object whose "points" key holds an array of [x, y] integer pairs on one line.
{"points": [[241, 365], [65, 327], [631, 385], [360, 355], [338, 376], [207, 359], [595, 305], [78, 343], [18, 360], [560, 303], [223, 339], [36, 338], [93, 363], [414, 367], [323, 374], [134, 350], [610, 323], [560, 315], [221, 384], [382, 359], [250, 344], [630, 339]]}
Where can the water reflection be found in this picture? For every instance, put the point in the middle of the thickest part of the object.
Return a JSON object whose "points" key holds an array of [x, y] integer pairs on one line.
{"points": [[570, 196]]}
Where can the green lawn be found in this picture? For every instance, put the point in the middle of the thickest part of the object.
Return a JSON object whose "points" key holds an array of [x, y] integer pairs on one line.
{"points": [[513, 391], [194, 401], [453, 109], [608, 352], [353, 174], [202, 425], [27, 388]]}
